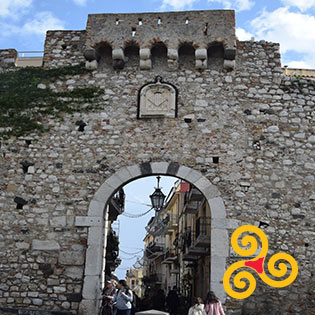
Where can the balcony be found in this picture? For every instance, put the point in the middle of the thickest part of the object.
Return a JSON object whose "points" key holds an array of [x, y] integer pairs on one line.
{"points": [[191, 207], [172, 223], [155, 278], [195, 195], [29, 59], [116, 205], [154, 250], [170, 257], [197, 243], [203, 231]]}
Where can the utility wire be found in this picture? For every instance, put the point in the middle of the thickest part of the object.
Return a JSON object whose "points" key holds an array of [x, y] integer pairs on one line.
{"points": [[134, 216], [139, 203], [140, 251]]}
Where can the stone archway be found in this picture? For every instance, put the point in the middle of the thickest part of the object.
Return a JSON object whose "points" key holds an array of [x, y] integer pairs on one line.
{"points": [[95, 221]]}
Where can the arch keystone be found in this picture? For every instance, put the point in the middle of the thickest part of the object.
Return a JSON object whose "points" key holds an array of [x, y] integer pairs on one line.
{"points": [[159, 167]]}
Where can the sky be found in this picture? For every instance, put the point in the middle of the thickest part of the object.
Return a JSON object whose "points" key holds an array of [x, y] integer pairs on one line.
{"points": [[291, 23], [132, 230]]}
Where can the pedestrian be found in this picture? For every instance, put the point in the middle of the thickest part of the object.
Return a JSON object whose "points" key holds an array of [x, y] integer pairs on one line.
{"points": [[107, 303], [172, 301], [123, 299], [213, 305], [198, 307], [158, 300], [135, 304]]}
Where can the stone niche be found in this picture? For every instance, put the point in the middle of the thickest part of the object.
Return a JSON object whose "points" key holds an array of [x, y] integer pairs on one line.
{"points": [[157, 99]]}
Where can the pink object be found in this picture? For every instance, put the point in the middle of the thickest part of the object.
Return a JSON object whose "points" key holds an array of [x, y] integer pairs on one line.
{"points": [[214, 309]]}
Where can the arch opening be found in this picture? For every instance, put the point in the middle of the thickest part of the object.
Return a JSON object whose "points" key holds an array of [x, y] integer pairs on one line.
{"points": [[131, 52], [94, 277], [215, 54], [186, 55], [104, 52], [159, 56]]}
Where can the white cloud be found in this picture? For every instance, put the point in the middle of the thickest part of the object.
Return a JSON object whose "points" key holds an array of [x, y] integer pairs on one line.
{"points": [[238, 5], [42, 22], [293, 30], [80, 2], [299, 64], [303, 5], [11, 7], [241, 34], [177, 4]]}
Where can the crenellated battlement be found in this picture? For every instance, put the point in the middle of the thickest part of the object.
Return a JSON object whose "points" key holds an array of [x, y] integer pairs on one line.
{"points": [[204, 34]]}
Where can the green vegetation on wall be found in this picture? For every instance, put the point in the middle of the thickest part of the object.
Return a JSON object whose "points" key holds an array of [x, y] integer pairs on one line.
{"points": [[24, 106]]}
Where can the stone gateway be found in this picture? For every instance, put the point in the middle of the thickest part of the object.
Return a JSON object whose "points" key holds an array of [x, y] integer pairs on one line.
{"points": [[181, 96]]}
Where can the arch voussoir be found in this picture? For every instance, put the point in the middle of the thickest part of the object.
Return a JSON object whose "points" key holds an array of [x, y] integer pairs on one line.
{"points": [[95, 252]]}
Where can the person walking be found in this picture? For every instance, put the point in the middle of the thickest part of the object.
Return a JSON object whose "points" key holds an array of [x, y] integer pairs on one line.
{"points": [[198, 307], [158, 300], [123, 299], [213, 305], [172, 301], [107, 303]]}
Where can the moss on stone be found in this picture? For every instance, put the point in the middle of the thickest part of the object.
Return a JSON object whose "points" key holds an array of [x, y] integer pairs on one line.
{"points": [[24, 105]]}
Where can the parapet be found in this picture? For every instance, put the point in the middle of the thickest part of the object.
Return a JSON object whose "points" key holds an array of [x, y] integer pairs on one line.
{"points": [[8, 58], [63, 48], [199, 29]]}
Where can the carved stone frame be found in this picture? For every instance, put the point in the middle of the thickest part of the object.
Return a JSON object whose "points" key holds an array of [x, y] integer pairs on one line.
{"points": [[158, 81]]}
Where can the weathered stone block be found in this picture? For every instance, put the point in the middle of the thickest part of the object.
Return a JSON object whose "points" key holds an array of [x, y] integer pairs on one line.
{"points": [[201, 64], [71, 258], [217, 208], [172, 54], [74, 273], [118, 54], [145, 53], [229, 65], [91, 65], [91, 288], [201, 53], [89, 221], [145, 64], [45, 245]]}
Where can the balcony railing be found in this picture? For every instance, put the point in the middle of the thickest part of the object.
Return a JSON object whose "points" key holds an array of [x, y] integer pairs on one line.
{"points": [[170, 257], [197, 242], [154, 250], [29, 59], [152, 278], [195, 195], [173, 222], [116, 205], [191, 207]]}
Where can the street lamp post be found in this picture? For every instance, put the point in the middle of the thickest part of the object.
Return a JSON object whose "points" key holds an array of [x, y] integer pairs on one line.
{"points": [[157, 198]]}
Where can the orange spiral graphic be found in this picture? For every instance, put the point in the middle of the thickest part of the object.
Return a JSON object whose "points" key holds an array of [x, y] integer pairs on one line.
{"points": [[256, 264]]}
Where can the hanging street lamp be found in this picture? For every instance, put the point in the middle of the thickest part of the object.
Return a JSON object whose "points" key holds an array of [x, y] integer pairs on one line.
{"points": [[157, 198]]}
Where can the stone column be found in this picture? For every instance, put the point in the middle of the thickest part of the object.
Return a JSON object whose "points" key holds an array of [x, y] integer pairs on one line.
{"points": [[172, 58], [229, 59], [201, 58], [91, 57], [145, 59], [92, 284], [118, 58], [219, 247]]}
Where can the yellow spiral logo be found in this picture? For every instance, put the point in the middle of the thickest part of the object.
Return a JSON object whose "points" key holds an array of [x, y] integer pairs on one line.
{"points": [[248, 246]]}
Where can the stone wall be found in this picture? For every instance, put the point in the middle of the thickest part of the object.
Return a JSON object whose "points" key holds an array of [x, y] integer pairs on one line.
{"points": [[172, 28], [8, 58], [259, 123], [63, 48]]}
